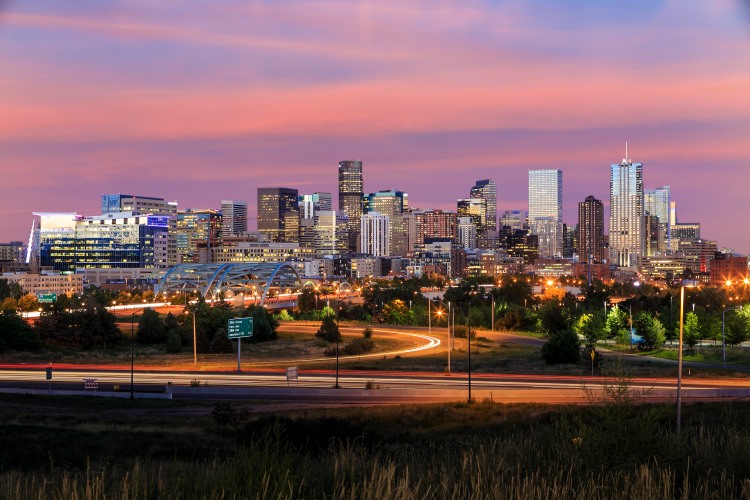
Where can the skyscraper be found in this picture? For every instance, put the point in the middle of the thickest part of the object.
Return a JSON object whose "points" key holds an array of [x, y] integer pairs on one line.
{"points": [[278, 214], [545, 211], [351, 198], [375, 239], [626, 236], [310, 204], [233, 218], [139, 205], [392, 204], [591, 230], [487, 190], [656, 202]]}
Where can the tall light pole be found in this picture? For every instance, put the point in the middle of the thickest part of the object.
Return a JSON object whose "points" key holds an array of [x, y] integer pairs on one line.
{"points": [[337, 351], [685, 284], [448, 338], [468, 339], [195, 339], [132, 356], [723, 338]]}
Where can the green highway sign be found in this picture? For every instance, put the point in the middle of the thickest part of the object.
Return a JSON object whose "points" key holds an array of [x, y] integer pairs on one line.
{"points": [[239, 328], [46, 298]]}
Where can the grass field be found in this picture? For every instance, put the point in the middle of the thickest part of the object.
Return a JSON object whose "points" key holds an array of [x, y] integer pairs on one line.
{"points": [[79, 448]]}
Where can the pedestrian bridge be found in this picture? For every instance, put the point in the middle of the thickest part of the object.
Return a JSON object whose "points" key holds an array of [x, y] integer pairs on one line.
{"points": [[256, 280]]}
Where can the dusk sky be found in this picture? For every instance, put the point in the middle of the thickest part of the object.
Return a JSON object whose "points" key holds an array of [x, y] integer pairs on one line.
{"points": [[200, 101]]}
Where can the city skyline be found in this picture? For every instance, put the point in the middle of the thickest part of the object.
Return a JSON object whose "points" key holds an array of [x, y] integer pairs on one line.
{"points": [[214, 103]]}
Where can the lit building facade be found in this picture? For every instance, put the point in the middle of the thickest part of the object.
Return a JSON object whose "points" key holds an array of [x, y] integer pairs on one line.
{"points": [[591, 230], [233, 218], [626, 235], [486, 190], [118, 203], [545, 211], [392, 204], [375, 234], [351, 197], [656, 203], [188, 230], [278, 214]]}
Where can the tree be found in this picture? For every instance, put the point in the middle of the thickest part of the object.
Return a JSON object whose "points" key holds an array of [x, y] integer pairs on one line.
{"points": [[10, 289], [650, 329], [28, 302], [174, 342], [591, 327], [617, 321], [151, 329], [264, 325], [737, 326], [329, 330], [396, 312], [553, 318], [16, 334], [221, 342], [562, 347], [691, 330], [9, 304]]}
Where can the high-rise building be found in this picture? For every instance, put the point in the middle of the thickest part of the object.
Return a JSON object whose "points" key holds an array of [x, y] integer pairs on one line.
{"points": [[626, 235], [374, 234], [466, 233], [475, 208], [117, 203], [545, 211], [514, 219], [233, 218], [331, 233], [351, 197], [310, 204], [191, 228], [278, 214], [391, 203], [487, 190], [591, 230], [656, 202], [435, 224]]}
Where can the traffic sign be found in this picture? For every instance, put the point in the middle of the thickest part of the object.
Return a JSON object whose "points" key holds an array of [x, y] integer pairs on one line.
{"points": [[239, 328], [46, 298]]}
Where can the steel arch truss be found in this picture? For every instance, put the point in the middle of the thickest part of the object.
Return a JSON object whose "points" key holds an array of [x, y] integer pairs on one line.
{"points": [[236, 278]]}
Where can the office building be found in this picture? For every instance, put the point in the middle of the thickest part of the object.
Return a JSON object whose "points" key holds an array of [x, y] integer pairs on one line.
{"points": [[278, 214], [139, 205], [309, 204], [657, 203], [375, 234], [486, 190], [513, 219], [435, 224], [392, 204], [475, 209], [190, 229], [331, 233], [233, 218], [351, 198], [626, 234], [591, 230], [545, 211], [466, 233]]}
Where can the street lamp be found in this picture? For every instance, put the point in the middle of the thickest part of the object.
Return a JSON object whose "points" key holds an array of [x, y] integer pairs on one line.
{"points": [[132, 356], [449, 339], [338, 332], [723, 338], [685, 284], [195, 337]]}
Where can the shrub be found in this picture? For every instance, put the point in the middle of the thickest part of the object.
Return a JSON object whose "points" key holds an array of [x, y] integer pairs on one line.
{"points": [[359, 346], [562, 347], [367, 333]]}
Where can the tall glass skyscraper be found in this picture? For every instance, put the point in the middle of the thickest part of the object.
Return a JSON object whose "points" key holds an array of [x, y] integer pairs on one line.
{"points": [[351, 198], [545, 211], [656, 202], [487, 190], [626, 235], [233, 218], [278, 214]]}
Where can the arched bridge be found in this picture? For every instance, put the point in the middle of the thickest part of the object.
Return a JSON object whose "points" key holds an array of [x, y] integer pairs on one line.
{"points": [[251, 279]]}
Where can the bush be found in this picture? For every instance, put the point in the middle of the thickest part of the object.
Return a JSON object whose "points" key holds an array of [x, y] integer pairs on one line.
{"points": [[460, 331], [151, 328], [562, 347], [359, 346], [367, 333], [221, 342]]}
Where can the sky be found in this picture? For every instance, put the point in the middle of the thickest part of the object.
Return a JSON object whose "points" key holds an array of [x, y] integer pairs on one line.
{"points": [[199, 101]]}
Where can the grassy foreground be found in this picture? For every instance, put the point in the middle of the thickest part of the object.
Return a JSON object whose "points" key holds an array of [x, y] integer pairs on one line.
{"points": [[73, 448]]}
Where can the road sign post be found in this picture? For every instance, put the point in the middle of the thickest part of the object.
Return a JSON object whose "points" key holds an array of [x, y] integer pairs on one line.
{"points": [[46, 298], [238, 328]]}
